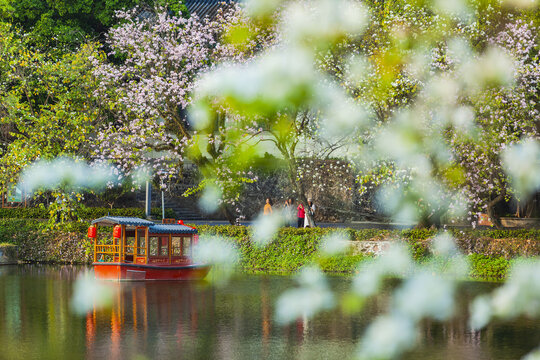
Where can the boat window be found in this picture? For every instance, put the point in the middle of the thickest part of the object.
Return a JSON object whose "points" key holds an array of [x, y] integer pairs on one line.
{"points": [[153, 246], [186, 246], [141, 242], [164, 248], [130, 243], [176, 244]]}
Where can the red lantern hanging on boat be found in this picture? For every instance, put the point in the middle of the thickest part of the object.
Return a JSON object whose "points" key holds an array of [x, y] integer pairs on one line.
{"points": [[92, 232], [180, 222], [117, 231]]}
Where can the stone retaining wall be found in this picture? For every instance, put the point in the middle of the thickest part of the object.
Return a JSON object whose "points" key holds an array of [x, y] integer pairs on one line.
{"points": [[369, 247], [8, 254]]}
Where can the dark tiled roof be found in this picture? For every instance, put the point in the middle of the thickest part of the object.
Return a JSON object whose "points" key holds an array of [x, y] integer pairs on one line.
{"points": [[171, 229], [144, 12], [122, 220], [207, 8]]}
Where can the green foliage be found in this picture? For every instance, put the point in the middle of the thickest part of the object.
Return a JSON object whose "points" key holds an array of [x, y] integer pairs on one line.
{"points": [[66, 24], [46, 102], [488, 268], [68, 245], [94, 212], [418, 234], [292, 248], [63, 209], [343, 263], [523, 234], [8, 251], [24, 213], [418, 249], [223, 230], [371, 234], [88, 213]]}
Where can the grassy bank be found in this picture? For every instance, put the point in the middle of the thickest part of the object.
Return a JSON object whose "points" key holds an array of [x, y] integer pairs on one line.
{"points": [[491, 251]]}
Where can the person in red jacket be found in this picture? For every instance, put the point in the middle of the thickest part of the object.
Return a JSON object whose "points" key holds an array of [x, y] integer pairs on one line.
{"points": [[301, 214]]}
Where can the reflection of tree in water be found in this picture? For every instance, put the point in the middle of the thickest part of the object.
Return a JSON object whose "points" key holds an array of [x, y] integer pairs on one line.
{"points": [[193, 320], [180, 320], [454, 339]]}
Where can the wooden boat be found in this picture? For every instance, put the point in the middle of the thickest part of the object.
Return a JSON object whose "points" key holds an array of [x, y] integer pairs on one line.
{"points": [[143, 250]]}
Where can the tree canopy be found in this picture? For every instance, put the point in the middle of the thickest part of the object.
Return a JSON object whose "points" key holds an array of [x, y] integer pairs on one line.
{"points": [[399, 68], [65, 24]]}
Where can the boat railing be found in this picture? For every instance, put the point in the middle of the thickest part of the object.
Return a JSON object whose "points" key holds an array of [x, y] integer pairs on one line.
{"points": [[135, 250], [111, 253], [107, 253], [107, 249]]}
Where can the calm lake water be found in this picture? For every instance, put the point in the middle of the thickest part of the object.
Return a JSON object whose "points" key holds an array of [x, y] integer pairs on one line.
{"points": [[192, 320]]}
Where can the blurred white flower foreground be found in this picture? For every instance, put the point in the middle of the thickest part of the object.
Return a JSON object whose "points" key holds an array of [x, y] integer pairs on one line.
{"points": [[284, 80], [90, 294]]}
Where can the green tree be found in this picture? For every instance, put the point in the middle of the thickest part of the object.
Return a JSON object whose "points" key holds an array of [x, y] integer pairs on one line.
{"points": [[63, 23], [47, 104]]}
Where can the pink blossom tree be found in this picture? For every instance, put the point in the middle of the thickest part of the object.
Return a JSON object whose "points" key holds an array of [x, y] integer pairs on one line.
{"points": [[503, 117], [500, 116], [148, 83]]}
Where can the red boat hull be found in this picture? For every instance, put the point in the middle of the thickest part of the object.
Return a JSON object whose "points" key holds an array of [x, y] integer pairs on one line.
{"points": [[123, 271]]}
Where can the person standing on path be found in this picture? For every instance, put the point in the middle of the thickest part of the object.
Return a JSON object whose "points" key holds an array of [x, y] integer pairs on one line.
{"points": [[290, 214], [309, 220], [288, 211], [301, 215], [267, 207]]}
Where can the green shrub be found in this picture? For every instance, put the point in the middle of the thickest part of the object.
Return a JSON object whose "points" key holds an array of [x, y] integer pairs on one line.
{"points": [[371, 234], [291, 249], [417, 234], [90, 213], [8, 252], [24, 213], [344, 263], [87, 213], [35, 244], [488, 268]]}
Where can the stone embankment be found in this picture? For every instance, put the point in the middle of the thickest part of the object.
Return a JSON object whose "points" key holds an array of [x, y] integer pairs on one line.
{"points": [[490, 251], [376, 247], [8, 254]]}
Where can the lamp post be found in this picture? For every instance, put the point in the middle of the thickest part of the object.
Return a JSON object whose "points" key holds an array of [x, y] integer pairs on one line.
{"points": [[162, 203], [148, 203]]}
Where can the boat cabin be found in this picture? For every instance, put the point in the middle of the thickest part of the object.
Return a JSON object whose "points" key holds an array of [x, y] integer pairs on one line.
{"points": [[143, 242]]}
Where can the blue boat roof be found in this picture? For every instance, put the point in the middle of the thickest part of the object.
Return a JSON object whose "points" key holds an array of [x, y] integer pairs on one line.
{"points": [[152, 227], [122, 220], [171, 229]]}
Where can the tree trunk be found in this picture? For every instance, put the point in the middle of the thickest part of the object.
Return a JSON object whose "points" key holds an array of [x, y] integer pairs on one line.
{"points": [[526, 210], [495, 219], [431, 221], [297, 184], [228, 214]]}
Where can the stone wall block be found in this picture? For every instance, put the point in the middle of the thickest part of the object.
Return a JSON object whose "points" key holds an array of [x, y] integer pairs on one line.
{"points": [[8, 254]]}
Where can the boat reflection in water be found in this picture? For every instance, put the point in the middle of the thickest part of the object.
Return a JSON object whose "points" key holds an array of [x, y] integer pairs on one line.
{"points": [[158, 317], [194, 320], [190, 320], [185, 320]]}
